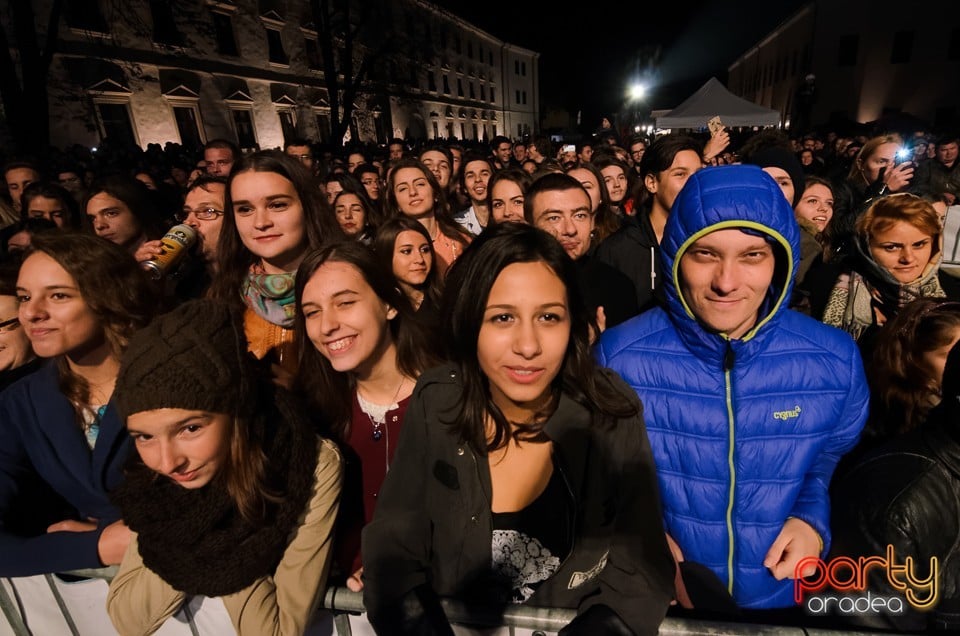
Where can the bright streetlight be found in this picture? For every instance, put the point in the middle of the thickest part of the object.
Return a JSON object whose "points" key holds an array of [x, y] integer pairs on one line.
{"points": [[638, 91]]}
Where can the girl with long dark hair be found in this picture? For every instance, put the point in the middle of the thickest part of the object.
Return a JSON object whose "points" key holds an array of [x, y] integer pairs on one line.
{"points": [[274, 215], [524, 474], [367, 352], [413, 190]]}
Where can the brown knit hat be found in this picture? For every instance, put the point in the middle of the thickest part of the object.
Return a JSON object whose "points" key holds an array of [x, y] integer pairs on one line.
{"points": [[193, 357]]}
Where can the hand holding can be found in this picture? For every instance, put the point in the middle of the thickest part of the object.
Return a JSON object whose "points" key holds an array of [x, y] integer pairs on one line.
{"points": [[174, 246]]}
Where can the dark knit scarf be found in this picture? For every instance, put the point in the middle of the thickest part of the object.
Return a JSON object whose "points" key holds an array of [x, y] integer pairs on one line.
{"points": [[197, 540]]}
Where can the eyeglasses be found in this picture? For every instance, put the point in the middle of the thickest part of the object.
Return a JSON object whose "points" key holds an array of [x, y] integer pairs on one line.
{"points": [[9, 325], [204, 214]]}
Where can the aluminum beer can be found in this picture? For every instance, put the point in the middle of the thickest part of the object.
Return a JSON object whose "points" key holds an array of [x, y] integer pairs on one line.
{"points": [[174, 244]]}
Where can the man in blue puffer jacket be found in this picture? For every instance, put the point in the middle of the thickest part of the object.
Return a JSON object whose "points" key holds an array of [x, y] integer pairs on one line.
{"points": [[748, 405]]}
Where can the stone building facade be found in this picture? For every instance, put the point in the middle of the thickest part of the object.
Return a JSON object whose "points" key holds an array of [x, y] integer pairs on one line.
{"points": [[152, 71], [868, 58]]}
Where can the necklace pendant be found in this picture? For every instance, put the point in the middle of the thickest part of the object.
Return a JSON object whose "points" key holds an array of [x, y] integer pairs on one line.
{"points": [[377, 433]]}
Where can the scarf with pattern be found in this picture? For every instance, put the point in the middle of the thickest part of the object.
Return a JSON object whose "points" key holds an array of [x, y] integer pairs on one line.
{"points": [[270, 296]]}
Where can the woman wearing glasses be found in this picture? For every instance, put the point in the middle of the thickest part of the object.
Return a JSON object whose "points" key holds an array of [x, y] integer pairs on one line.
{"points": [[367, 352]]}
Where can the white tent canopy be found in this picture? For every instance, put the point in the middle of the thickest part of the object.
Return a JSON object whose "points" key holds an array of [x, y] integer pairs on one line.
{"points": [[712, 99]]}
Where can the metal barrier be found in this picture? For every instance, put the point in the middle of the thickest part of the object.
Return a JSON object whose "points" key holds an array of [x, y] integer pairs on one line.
{"points": [[344, 604]]}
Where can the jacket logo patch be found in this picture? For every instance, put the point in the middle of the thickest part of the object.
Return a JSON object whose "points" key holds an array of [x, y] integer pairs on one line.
{"points": [[446, 475], [579, 578], [786, 415]]}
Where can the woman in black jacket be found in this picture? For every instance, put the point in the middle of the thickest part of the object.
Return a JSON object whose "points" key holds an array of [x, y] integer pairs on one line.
{"points": [[905, 495], [523, 472]]}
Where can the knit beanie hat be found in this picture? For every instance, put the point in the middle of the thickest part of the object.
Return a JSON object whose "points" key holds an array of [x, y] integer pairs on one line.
{"points": [[786, 161], [193, 357]]}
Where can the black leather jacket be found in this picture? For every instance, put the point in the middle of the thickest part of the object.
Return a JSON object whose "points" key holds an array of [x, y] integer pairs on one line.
{"points": [[906, 494]]}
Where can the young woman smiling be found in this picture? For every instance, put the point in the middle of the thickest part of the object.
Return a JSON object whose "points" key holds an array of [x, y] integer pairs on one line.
{"points": [[232, 495], [403, 247], [275, 215], [80, 299], [519, 448], [367, 353], [413, 191]]}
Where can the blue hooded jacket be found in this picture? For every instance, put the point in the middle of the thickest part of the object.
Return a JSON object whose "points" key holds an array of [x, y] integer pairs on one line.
{"points": [[745, 432]]}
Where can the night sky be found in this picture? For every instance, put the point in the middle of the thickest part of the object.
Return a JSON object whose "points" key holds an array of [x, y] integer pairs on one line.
{"points": [[591, 50]]}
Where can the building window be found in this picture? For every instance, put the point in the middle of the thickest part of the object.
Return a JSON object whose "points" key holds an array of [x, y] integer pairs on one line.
{"points": [[85, 15], [475, 133], [483, 92], [459, 87], [164, 27], [519, 130], [287, 123], [493, 95], [473, 93], [449, 130], [516, 67], [187, 118], [517, 100], [524, 98], [431, 82], [436, 130], [470, 50], [323, 125], [902, 47], [223, 27], [115, 122], [312, 50], [446, 84], [847, 50], [463, 130], [275, 45], [523, 68], [243, 122], [953, 49]]}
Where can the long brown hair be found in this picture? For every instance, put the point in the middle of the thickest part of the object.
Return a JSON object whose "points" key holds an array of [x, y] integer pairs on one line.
{"points": [[328, 391], [902, 387], [385, 242], [111, 284], [233, 256], [441, 206]]}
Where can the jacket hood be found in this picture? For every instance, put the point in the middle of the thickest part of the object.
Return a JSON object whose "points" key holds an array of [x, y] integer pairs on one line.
{"points": [[727, 197]]}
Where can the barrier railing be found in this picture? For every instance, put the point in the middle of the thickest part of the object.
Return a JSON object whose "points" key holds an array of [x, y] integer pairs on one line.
{"points": [[345, 606]]}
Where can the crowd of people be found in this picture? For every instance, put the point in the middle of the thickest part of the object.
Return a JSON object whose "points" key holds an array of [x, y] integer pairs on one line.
{"points": [[633, 378]]}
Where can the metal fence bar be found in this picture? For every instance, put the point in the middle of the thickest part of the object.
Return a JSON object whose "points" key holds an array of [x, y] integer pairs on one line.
{"points": [[11, 610], [342, 602], [339, 599]]}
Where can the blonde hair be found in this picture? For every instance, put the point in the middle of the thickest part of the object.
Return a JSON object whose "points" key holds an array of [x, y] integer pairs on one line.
{"points": [[870, 147]]}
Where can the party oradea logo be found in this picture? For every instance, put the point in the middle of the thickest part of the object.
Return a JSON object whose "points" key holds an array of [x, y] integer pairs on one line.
{"points": [[840, 585]]}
